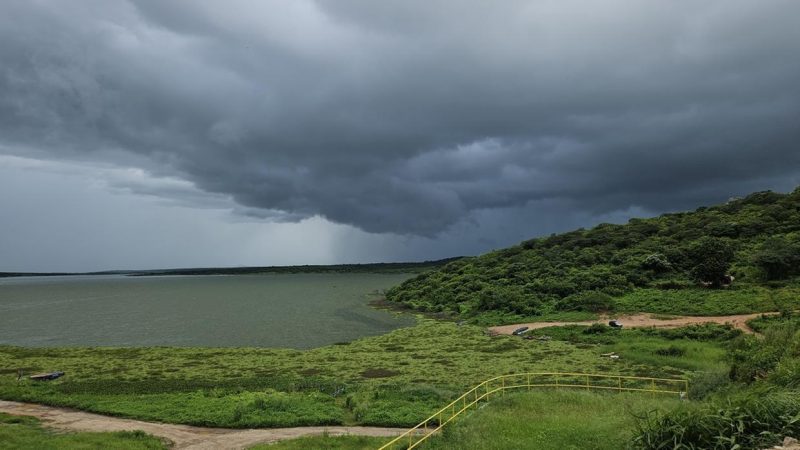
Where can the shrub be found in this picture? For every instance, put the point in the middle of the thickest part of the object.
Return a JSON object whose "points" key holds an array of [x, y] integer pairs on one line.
{"points": [[672, 350], [591, 301], [704, 384], [657, 263], [753, 358], [711, 258], [700, 332], [749, 421], [787, 373], [778, 258], [596, 328], [671, 285]]}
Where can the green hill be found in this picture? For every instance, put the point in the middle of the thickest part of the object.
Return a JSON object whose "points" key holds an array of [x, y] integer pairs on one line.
{"points": [[676, 263]]}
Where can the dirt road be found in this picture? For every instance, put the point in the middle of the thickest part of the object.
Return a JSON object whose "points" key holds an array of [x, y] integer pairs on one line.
{"points": [[182, 436], [643, 320]]}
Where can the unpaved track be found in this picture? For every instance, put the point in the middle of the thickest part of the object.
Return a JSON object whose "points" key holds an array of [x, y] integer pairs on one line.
{"points": [[182, 436], [643, 320]]}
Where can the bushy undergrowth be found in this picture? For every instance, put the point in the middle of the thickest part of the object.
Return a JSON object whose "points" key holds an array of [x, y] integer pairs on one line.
{"points": [[760, 358], [326, 442], [394, 405], [751, 420], [704, 384], [602, 334], [753, 407], [698, 301]]}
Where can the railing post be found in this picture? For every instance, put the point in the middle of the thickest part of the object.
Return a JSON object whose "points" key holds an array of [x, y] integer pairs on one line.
{"points": [[503, 390], [587, 382], [620, 383], [529, 382]]}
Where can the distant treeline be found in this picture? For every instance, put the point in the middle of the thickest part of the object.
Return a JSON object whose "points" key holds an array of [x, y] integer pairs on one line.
{"points": [[401, 267], [33, 274], [413, 267]]}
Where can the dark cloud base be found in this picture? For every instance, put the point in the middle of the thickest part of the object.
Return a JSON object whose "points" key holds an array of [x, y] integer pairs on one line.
{"points": [[414, 118]]}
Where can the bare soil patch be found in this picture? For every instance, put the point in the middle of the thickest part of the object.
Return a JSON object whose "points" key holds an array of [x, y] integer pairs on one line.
{"points": [[643, 320]]}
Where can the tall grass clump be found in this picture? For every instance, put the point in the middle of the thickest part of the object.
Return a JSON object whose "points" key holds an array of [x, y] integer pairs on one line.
{"points": [[751, 420], [755, 408], [755, 358]]}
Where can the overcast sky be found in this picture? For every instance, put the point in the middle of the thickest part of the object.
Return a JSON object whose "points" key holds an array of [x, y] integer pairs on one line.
{"points": [[148, 134]]}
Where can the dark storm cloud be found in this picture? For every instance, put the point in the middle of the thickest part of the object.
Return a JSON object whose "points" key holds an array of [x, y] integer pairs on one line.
{"points": [[411, 117]]}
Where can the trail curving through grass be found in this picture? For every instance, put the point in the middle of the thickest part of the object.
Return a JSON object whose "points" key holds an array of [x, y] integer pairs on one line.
{"points": [[645, 320], [182, 436]]}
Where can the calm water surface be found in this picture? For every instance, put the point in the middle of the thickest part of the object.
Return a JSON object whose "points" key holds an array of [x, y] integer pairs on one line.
{"points": [[274, 310]]}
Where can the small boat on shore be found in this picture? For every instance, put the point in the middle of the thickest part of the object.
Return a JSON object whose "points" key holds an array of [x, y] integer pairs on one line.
{"points": [[47, 376]]}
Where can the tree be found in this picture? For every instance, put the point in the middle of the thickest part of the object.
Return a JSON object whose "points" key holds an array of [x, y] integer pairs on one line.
{"points": [[778, 257], [657, 262], [591, 301], [711, 258]]}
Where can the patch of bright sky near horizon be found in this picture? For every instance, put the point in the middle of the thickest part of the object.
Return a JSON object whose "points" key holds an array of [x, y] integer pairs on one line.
{"points": [[71, 217]]}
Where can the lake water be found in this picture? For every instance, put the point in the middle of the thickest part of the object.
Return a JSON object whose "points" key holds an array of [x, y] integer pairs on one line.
{"points": [[272, 310]]}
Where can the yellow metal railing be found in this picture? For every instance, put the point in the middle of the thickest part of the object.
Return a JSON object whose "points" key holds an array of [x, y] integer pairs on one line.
{"points": [[420, 433]]}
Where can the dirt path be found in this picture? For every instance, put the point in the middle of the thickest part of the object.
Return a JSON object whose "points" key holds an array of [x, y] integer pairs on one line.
{"points": [[182, 436], [643, 320]]}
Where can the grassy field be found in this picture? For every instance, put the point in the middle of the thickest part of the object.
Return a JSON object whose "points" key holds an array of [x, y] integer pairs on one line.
{"points": [[695, 301], [710, 302], [552, 420], [327, 443], [393, 380], [25, 433], [543, 419]]}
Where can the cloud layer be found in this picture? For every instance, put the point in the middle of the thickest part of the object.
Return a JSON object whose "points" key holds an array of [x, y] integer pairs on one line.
{"points": [[411, 117]]}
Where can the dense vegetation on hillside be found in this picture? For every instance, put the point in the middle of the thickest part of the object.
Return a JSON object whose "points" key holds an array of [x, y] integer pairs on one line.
{"points": [[755, 239]]}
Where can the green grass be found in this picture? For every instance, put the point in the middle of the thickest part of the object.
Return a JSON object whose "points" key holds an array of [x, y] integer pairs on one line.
{"points": [[709, 302], [543, 419], [326, 443], [552, 420], [26, 433], [395, 379], [491, 318], [761, 323], [666, 304], [746, 419]]}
